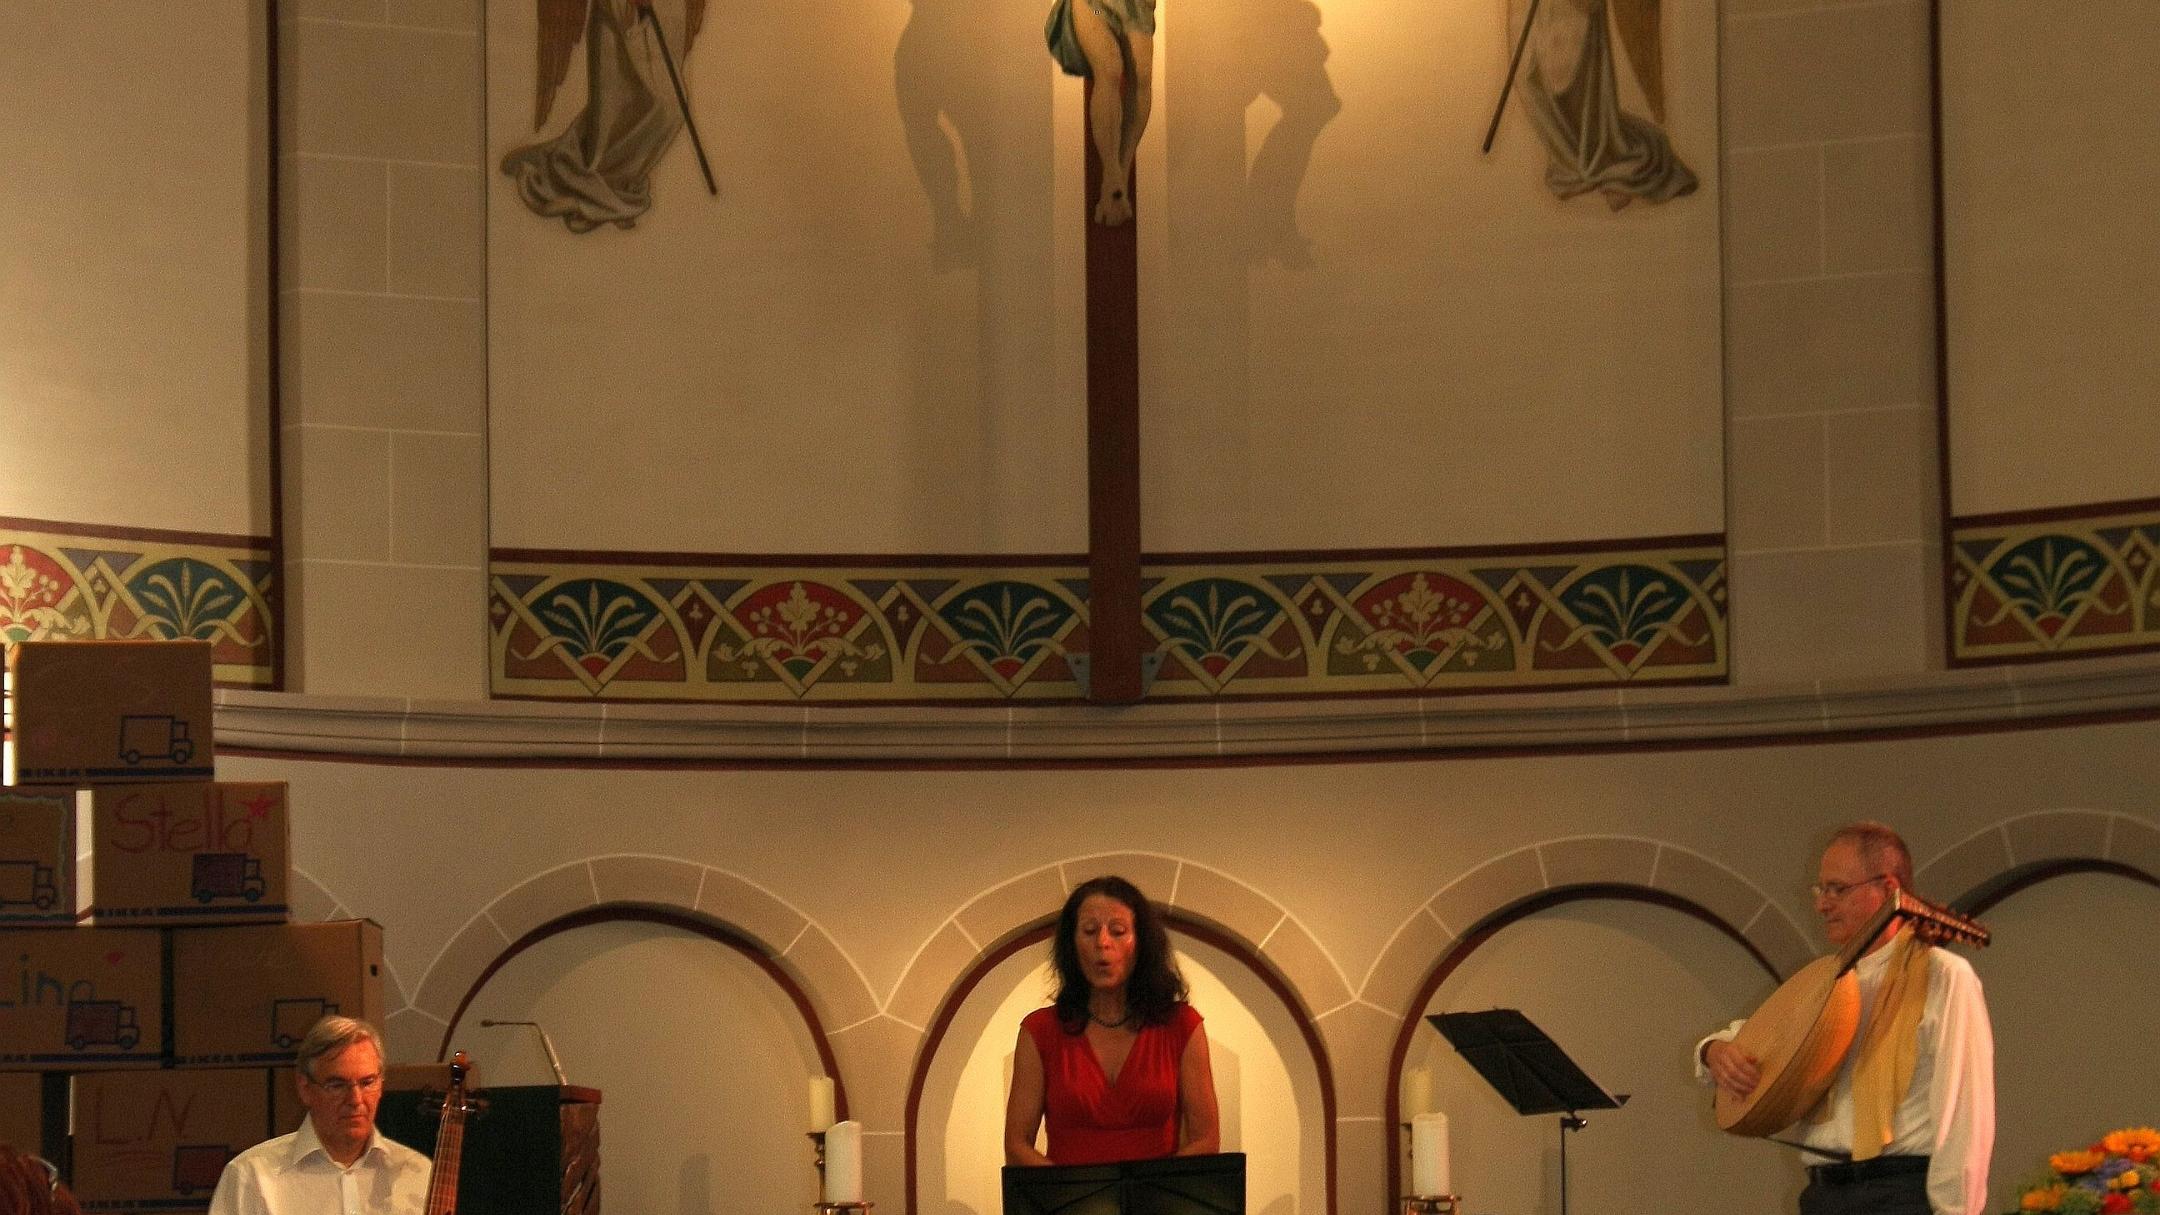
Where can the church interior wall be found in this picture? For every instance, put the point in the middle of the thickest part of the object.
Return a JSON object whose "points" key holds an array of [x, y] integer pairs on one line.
{"points": [[876, 889]]}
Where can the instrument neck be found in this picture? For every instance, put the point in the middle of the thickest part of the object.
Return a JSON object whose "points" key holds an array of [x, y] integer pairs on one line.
{"points": [[449, 1148], [442, 1191]]}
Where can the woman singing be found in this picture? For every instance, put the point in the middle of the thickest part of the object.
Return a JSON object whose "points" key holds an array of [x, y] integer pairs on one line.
{"points": [[1118, 1065]]}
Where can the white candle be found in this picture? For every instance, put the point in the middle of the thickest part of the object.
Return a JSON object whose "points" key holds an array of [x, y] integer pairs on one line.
{"points": [[843, 1162], [1416, 1093], [1428, 1155], [821, 1103]]}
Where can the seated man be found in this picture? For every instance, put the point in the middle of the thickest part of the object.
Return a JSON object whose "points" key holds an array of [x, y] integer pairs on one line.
{"points": [[336, 1162]]}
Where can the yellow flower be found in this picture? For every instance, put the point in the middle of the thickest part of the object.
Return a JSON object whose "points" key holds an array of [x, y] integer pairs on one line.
{"points": [[2046, 1198], [2139, 1143], [2128, 1179], [2070, 1164]]}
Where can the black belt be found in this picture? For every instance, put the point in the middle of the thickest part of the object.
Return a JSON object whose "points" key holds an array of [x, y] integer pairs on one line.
{"points": [[1852, 1172]]}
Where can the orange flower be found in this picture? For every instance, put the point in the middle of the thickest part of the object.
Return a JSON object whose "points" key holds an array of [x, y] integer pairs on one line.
{"points": [[2070, 1164], [2139, 1143], [2046, 1198]]}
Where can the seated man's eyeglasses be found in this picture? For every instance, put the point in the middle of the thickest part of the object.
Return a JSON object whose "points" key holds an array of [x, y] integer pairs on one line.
{"points": [[340, 1087], [52, 1174], [1838, 890]]}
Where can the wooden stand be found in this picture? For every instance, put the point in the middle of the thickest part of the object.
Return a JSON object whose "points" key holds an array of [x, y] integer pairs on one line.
{"points": [[535, 1149]]}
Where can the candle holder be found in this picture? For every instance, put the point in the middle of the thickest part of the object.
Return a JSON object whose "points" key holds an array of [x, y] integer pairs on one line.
{"points": [[1431, 1204], [844, 1208]]}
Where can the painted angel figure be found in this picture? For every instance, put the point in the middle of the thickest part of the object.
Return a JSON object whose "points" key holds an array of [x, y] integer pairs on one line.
{"points": [[1571, 94], [599, 169], [1103, 39]]}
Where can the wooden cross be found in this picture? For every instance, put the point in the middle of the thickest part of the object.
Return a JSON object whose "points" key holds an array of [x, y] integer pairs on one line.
{"points": [[1115, 635]]}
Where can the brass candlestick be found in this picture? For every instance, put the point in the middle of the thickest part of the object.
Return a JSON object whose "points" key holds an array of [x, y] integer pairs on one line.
{"points": [[844, 1208]]}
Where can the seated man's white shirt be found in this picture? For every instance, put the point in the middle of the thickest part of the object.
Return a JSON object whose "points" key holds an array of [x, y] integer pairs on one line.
{"points": [[293, 1175]]}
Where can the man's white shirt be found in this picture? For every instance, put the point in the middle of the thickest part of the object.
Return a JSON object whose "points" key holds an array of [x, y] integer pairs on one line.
{"points": [[294, 1175], [1949, 1113]]}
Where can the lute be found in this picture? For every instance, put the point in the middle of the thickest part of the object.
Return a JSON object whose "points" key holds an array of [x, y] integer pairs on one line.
{"points": [[1801, 1034], [442, 1194]]}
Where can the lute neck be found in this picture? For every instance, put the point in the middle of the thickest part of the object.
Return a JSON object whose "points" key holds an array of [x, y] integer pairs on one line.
{"points": [[442, 1191]]}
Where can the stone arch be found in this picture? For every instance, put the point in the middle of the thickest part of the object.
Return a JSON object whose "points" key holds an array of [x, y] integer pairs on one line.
{"points": [[2000, 859], [1468, 911], [796, 953], [1209, 905]]}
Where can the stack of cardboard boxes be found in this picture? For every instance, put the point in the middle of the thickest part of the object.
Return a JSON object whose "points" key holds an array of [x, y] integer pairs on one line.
{"points": [[152, 992]]}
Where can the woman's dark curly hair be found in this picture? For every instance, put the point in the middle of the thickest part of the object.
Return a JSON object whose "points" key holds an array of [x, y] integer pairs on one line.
{"points": [[1154, 989]]}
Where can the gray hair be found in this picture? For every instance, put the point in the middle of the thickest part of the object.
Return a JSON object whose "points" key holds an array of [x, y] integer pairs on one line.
{"points": [[331, 1035], [1881, 849]]}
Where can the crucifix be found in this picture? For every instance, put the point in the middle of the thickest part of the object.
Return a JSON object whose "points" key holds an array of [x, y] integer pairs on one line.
{"points": [[1111, 44]]}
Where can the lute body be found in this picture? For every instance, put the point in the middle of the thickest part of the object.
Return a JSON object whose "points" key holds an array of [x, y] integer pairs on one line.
{"points": [[1802, 1033]]}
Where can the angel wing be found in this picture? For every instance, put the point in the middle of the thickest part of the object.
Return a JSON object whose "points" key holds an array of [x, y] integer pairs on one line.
{"points": [[562, 27], [1638, 23]]}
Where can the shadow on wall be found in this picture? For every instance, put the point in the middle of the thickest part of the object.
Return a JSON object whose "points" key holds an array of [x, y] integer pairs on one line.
{"points": [[633, 1007], [1625, 987], [694, 1186]]}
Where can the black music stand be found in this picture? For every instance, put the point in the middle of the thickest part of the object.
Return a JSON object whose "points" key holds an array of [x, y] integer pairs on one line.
{"points": [[1528, 1070]]}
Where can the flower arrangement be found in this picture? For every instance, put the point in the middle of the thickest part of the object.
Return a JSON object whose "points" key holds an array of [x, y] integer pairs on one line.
{"points": [[2119, 1175]]}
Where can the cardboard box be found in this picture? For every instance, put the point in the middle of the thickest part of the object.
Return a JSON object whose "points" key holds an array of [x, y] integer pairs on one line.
{"points": [[158, 1140], [97, 712], [81, 998], [22, 1114], [286, 1112], [196, 852], [37, 857], [247, 995]]}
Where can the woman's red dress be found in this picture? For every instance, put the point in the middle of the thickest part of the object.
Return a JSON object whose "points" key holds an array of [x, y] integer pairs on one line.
{"points": [[1093, 1121]]}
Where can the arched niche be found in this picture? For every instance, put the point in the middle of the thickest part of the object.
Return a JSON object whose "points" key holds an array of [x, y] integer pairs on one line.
{"points": [[700, 1044], [1271, 1075], [2069, 991], [1625, 980]]}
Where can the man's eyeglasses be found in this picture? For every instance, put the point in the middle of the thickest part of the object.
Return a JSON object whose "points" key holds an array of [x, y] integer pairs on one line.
{"points": [[52, 1174], [1838, 890], [341, 1087]]}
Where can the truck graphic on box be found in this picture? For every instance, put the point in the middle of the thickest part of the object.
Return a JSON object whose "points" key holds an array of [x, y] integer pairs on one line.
{"points": [[227, 875], [101, 1023], [155, 736], [196, 1167], [291, 1019], [27, 883]]}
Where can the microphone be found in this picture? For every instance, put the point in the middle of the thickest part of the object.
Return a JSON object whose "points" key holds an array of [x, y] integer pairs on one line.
{"points": [[554, 1060]]}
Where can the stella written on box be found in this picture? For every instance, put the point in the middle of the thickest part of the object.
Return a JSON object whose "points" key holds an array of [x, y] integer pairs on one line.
{"points": [[202, 852]]}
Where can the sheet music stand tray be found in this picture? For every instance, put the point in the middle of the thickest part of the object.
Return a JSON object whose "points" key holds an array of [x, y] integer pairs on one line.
{"points": [[1528, 1070]]}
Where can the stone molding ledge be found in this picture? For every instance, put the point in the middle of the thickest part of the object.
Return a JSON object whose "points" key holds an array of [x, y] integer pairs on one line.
{"points": [[537, 731]]}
